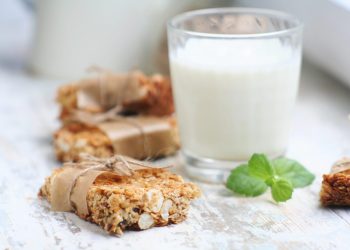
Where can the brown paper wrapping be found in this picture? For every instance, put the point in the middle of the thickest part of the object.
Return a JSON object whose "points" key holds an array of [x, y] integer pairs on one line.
{"points": [[60, 188], [109, 90], [142, 137], [71, 184], [342, 165], [124, 94]]}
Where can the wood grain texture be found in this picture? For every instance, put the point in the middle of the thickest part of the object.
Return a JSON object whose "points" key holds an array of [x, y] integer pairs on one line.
{"points": [[219, 220]]}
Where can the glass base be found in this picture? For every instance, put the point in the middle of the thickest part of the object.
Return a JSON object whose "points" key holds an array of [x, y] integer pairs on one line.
{"points": [[208, 170]]}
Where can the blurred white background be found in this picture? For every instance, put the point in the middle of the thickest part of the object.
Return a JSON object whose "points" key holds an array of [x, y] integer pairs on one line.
{"points": [[326, 31], [61, 38]]}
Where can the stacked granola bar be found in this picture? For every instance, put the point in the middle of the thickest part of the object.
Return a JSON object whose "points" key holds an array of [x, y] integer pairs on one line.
{"points": [[132, 93], [123, 138]]}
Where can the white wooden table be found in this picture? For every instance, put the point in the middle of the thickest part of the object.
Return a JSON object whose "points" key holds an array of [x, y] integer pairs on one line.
{"points": [[217, 221]]}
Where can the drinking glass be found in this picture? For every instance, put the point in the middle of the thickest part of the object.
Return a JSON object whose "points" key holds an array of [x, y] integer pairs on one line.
{"points": [[235, 75]]}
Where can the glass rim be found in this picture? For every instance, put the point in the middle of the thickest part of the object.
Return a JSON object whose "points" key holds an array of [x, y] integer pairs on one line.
{"points": [[297, 24]]}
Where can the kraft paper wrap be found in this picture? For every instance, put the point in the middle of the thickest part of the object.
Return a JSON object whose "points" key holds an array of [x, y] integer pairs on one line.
{"points": [[141, 137], [108, 90], [342, 165], [70, 186]]}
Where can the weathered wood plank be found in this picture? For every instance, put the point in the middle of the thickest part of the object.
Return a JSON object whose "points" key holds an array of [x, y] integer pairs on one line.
{"points": [[219, 220]]}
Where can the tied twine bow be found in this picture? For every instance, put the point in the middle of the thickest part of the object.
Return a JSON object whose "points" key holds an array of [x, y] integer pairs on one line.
{"points": [[137, 130], [108, 90], [93, 119], [71, 185], [118, 164], [113, 109], [112, 116], [102, 75]]}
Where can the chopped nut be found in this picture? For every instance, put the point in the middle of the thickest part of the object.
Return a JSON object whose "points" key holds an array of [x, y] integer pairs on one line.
{"points": [[80, 143], [155, 199], [64, 146], [145, 221], [165, 209]]}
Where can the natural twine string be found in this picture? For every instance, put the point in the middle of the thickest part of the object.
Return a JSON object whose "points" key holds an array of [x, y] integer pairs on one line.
{"points": [[101, 74], [118, 164], [93, 119], [102, 78], [111, 115]]}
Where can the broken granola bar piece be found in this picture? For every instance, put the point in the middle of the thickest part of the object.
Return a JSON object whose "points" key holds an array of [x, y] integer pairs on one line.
{"points": [[335, 189], [146, 198]]}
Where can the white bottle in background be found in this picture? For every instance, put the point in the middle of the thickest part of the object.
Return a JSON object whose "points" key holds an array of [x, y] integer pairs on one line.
{"points": [[115, 34]]}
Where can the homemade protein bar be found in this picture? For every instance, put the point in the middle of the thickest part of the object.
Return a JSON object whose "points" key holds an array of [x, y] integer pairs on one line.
{"points": [[132, 92], [119, 193], [335, 189], [138, 137]]}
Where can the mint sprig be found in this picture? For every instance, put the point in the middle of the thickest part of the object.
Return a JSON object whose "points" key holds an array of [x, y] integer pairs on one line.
{"points": [[260, 167], [293, 171], [245, 184], [282, 175]]}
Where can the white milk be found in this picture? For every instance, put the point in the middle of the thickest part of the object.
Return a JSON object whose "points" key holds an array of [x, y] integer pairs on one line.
{"points": [[235, 99]]}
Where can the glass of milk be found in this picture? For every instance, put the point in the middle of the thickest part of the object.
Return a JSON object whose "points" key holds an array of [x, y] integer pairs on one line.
{"points": [[235, 74]]}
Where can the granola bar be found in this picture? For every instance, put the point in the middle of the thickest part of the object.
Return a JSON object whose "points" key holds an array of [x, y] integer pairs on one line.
{"points": [[148, 198], [133, 92], [75, 138], [109, 138], [335, 189]]}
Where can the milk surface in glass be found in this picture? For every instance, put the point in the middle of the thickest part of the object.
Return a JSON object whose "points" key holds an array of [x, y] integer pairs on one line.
{"points": [[234, 97]]}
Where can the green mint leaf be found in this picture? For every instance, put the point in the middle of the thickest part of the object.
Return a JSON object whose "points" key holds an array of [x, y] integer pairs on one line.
{"points": [[281, 190], [240, 182], [259, 166], [293, 171]]}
